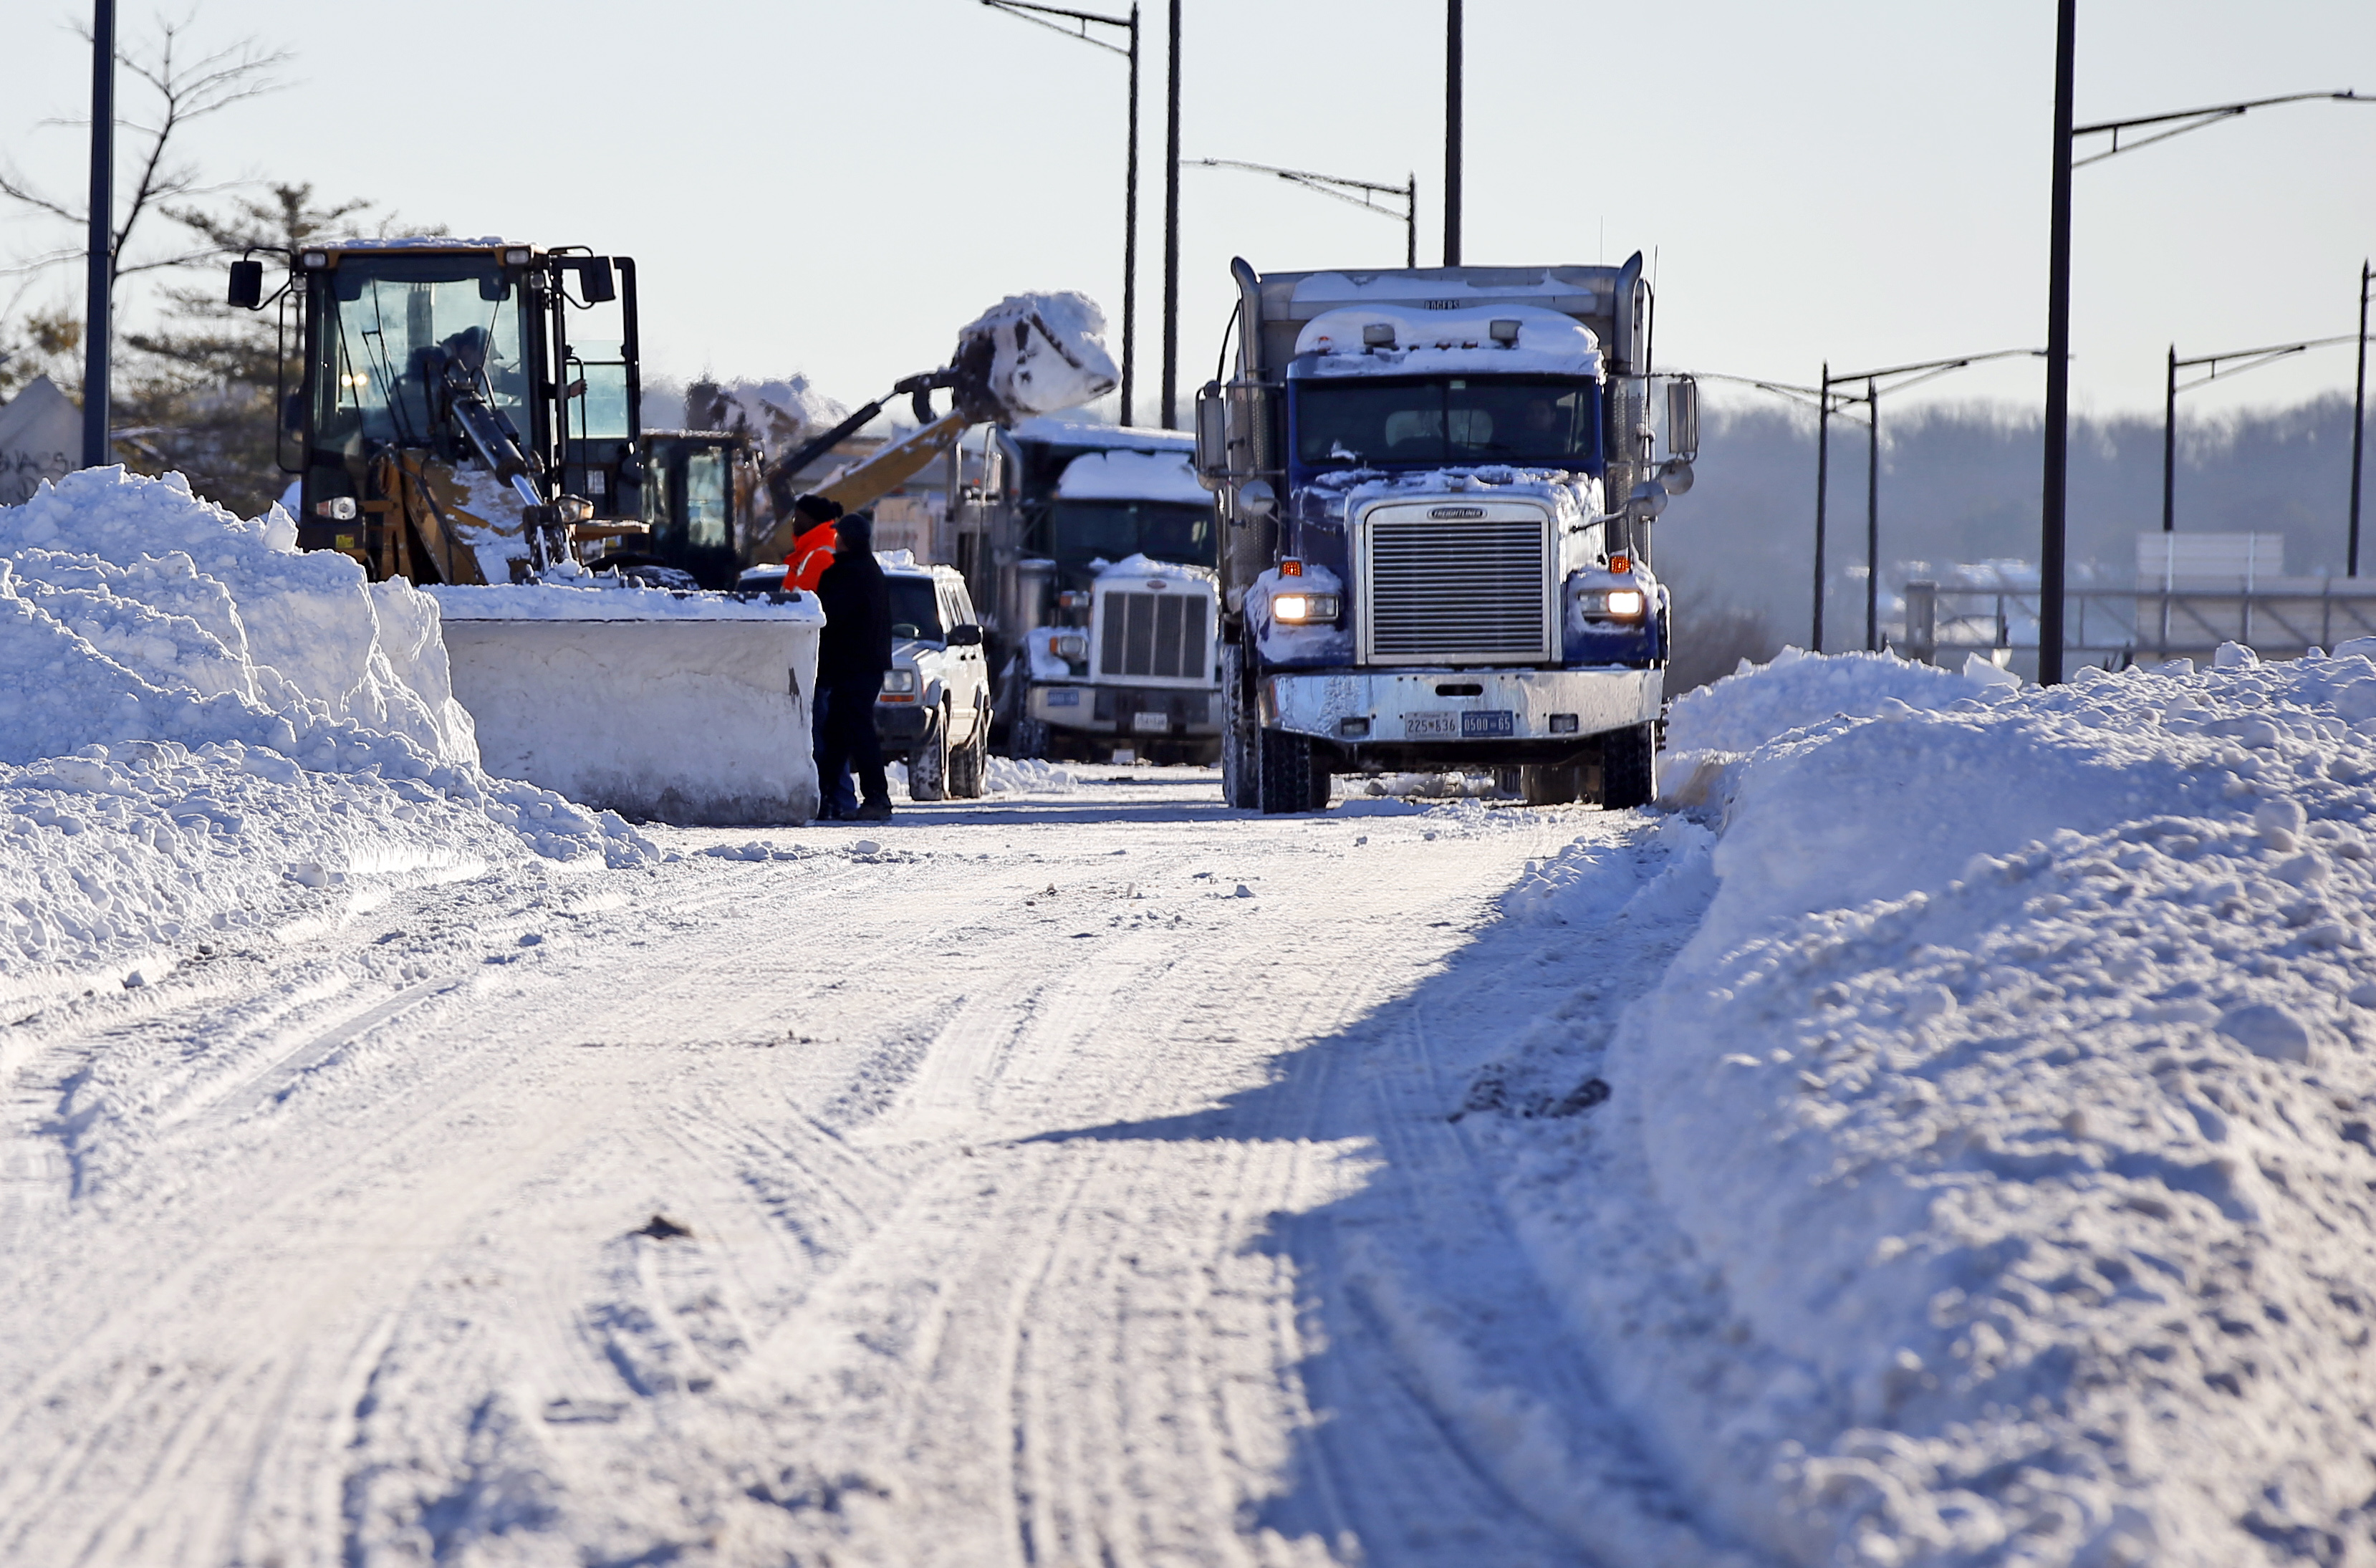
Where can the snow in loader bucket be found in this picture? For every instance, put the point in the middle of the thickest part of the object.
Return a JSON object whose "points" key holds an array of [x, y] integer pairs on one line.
{"points": [[690, 709]]}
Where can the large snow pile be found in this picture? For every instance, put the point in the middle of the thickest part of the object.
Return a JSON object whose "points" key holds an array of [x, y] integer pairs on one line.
{"points": [[1993, 1166], [197, 722]]}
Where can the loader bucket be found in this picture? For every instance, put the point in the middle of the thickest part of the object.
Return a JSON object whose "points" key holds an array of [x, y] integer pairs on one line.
{"points": [[683, 708], [1031, 354]]}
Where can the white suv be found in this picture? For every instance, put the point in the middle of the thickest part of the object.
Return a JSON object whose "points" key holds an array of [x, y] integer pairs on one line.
{"points": [[934, 709]]}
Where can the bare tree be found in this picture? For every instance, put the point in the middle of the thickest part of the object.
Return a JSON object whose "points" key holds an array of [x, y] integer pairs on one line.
{"points": [[185, 90]]}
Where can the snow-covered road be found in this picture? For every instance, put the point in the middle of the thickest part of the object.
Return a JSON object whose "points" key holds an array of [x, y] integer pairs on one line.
{"points": [[1023, 1192]]}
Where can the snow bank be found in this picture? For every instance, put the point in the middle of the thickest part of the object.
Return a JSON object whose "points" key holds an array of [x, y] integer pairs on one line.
{"points": [[190, 707], [1993, 1164]]}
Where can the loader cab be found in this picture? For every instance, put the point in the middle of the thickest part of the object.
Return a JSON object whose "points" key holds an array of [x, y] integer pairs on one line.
{"points": [[697, 490], [389, 331]]}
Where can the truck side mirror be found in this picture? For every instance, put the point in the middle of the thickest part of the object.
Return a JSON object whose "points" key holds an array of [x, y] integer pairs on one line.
{"points": [[1212, 434], [594, 280], [247, 284], [1256, 499], [1684, 419]]}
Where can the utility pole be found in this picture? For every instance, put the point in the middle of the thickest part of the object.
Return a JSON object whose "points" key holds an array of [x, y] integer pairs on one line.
{"points": [[1129, 240], [1171, 228], [1451, 133], [1872, 521], [98, 315], [1822, 491], [2169, 446], [2054, 491], [2358, 423]]}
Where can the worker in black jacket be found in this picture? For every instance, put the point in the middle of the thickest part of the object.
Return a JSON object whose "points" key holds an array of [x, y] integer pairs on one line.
{"points": [[853, 655]]}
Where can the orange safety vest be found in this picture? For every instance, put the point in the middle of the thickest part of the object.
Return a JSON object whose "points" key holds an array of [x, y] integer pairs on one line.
{"points": [[811, 553]]}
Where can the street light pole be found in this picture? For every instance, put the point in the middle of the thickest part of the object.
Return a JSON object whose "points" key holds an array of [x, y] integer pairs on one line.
{"points": [[2254, 360], [1452, 73], [1027, 10], [2177, 123], [2358, 423], [2058, 358], [98, 327], [1342, 188]]}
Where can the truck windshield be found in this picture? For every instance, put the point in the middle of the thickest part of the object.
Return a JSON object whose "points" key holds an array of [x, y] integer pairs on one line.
{"points": [[1547, 421], [1082, 531], [392, 326]]}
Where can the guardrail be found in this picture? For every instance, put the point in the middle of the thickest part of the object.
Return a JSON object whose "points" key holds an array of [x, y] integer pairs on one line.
{"points": [[2133, 625]]}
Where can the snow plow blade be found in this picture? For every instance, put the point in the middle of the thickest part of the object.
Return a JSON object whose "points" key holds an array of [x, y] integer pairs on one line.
{"points": [[691, 710]]}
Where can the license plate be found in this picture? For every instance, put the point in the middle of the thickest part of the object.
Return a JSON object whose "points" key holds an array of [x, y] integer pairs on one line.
{"points": [[1494, 721], [1431, 725], [1151, 723]]}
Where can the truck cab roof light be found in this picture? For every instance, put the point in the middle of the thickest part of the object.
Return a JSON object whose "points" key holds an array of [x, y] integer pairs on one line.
{"points": [[317, 260], [516, 258], [1505, 332], [1378, 335]]}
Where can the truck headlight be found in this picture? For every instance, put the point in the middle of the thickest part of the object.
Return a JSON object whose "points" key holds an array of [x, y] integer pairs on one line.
{"points": [[898, 685], [1070, 646], [1618, 604], [1302, 609]]}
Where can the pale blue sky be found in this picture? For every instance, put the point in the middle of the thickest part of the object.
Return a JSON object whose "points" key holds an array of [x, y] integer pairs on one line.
{"points": [[835, 189]]}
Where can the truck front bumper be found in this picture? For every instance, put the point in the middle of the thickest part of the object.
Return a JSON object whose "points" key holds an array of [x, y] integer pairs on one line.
{"points": [[1151, 713], [1487, 716]]}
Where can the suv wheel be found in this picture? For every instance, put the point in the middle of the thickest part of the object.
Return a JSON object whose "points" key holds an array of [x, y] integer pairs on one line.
{"points": [[970, 763], [928, 766]]}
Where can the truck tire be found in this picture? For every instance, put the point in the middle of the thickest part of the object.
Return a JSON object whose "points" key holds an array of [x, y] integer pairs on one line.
{"points": [[1629, 768], [1293, 774], [928, 765], [1027, 739], [1240, 764], [1542, 785], [970, 763]]}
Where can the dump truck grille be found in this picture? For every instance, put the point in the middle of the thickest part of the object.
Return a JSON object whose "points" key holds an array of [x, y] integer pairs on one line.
{"points": [[1441, 590], [1159, 637]]}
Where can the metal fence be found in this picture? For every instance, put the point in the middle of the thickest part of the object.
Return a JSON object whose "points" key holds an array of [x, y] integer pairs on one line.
{"points": [[2116, 626]]}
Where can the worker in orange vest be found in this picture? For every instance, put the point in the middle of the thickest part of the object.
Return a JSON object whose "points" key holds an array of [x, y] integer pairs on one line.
{"points": [[812, 549]]}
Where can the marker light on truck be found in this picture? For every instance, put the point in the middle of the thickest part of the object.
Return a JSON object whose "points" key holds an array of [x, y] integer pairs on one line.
{"points": [[1072, 646], [1302, 609], [898, 685]]}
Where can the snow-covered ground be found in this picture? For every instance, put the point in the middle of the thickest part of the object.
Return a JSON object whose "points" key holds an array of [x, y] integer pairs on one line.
{"points": [[1939, 1133]]}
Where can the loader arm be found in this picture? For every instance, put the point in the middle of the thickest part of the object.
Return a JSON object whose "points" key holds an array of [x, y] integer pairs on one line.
{"points": [[876, 477]]}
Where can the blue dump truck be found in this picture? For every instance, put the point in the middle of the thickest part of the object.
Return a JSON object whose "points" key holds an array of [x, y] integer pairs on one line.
{"points": [[1434, 491]]}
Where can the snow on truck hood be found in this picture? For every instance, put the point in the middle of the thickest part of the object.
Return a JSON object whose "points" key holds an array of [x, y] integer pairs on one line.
{"points": [[1047, 430], [1133, 475], [1434, 342], [1141, 566], [1574, 498]]}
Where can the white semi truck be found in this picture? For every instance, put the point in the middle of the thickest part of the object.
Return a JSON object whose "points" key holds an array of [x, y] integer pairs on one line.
{"points": [[1099, 566], [1435, 488]]}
